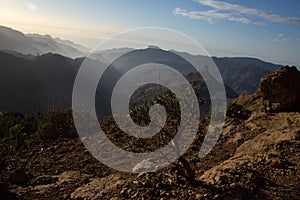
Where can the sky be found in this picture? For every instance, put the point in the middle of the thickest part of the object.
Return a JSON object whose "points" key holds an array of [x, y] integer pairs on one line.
{"points": [[266, 29]]}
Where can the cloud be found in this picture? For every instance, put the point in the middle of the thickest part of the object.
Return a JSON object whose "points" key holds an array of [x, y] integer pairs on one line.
{"points": [[234, 12], [193, 15], [280, 38], [31, 6], [210, 15]]}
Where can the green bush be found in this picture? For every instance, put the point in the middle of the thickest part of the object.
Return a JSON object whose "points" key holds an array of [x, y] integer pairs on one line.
{"points": [[8, 120], [18, 131], [56, 123], [15, 134]]}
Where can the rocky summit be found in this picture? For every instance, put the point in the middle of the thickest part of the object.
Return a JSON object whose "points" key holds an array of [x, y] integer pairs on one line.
{"points": [[256, 157]]}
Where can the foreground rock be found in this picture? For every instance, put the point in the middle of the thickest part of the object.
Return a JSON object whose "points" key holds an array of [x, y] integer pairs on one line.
{"points": [[98, 188], [267, 163]]}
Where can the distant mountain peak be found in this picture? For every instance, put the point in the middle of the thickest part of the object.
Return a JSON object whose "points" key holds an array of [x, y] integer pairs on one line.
{"points": [[37, 44], [153, 47]]}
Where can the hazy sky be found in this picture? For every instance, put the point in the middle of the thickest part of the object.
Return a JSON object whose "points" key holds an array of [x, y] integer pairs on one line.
{"points": [[267, 29]]}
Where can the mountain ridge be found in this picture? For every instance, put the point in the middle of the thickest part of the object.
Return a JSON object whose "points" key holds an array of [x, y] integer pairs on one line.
{"points": [[36, 44], [54, 88]]}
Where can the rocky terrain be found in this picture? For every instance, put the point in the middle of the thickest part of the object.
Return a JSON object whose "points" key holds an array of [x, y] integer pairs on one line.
{"points": [[256, 157]]}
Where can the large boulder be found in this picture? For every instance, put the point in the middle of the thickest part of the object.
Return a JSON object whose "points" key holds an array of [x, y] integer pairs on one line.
{"points": [[280, 90]]}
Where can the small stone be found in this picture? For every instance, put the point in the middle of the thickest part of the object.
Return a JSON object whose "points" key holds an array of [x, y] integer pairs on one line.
{"points": [[198, 196], [232, 185], [123, 191], [115, 198]]}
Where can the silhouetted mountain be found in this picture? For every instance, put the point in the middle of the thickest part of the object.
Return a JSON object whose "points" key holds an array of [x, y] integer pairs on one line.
{"points": [[71, 44], [110, 54], [18, 55], [138, 57], [243, 74], [46, 81], [240, 74], [30, 86], [37, 44]]}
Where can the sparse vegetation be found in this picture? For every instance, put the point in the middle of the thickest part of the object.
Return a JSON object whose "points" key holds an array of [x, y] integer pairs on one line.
{"points": [[56, 123], [237, 111], [18, 132]]}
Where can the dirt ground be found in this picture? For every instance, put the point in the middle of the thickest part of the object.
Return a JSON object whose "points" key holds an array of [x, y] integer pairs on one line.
{"points": [[254, 158]]}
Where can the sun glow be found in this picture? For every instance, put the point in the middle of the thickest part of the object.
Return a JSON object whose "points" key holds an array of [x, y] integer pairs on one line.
{"points": [[30, 20]]}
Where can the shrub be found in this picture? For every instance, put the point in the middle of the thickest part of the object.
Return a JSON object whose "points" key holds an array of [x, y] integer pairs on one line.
{"points": [[56, 123], [237, 111]]}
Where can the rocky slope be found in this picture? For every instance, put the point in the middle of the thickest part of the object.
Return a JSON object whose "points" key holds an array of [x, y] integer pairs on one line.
{"points": [[257, 157]]}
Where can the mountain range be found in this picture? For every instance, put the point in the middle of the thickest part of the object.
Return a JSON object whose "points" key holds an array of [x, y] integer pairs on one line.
{"points": [[38, 71], [36, 44], [242, 74]]}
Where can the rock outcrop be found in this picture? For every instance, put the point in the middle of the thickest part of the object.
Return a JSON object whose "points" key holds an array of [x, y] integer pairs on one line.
{"points": [[280, 90], [267, 156]]}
